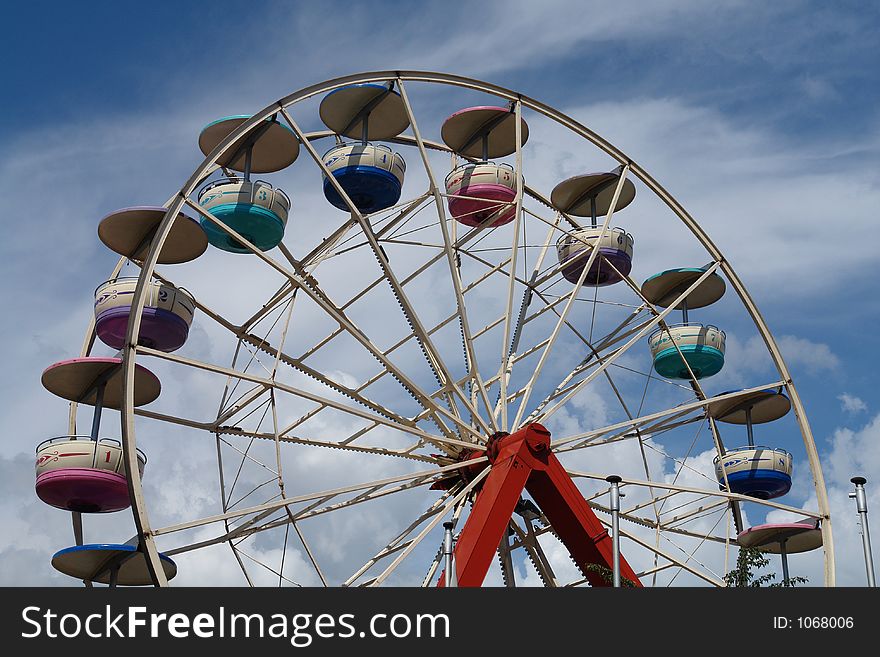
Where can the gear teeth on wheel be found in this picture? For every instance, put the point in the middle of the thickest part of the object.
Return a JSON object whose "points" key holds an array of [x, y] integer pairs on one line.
{"points": [[535, 565], [342, 390], [410, 323], [230, 431], [438, 558], [309, 280], [467, 364], [633, 519], [501, 565]]}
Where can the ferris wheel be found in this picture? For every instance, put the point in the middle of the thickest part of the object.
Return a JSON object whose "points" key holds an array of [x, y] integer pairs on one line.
{"points": [[450, 356]]}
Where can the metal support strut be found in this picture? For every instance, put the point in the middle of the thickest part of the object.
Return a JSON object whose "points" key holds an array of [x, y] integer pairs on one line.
{"points": [[786, 579], [96, 420], [519, 461]]}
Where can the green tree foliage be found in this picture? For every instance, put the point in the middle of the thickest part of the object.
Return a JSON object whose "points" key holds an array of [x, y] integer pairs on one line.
{"points": [[750, 560], [607, 574]]}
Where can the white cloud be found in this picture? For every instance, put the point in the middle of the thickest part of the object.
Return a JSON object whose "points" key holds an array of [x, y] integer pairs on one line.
{"points": [[811, 356], [854, 452], [851, 403]]}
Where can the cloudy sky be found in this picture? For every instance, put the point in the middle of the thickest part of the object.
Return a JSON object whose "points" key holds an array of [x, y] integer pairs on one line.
{"points": [[760, 118]]}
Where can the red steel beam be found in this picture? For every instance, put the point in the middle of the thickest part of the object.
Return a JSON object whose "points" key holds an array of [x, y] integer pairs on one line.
{"points": [[523, 460], [575, 523]]}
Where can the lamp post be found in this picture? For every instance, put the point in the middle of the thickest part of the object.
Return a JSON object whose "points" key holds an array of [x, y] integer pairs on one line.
{"points": [[862, 507], [614, 480], [451, 579]]}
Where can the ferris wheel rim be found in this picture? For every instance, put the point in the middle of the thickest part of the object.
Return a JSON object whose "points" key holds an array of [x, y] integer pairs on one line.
{"points": [[180, 199]]}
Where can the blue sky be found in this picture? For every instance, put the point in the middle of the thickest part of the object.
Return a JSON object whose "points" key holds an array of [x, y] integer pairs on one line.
{"points": [[761, 119]]}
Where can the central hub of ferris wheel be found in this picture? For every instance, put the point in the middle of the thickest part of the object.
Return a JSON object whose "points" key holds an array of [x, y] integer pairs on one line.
{"points": [[523, 461]]}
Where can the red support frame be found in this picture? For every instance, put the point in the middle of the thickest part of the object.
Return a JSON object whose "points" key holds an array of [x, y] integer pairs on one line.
{"points": [[523, 461]]}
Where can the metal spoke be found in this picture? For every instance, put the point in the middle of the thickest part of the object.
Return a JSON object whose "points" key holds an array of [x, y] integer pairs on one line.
{"points": [[273, 506], [397, 543], [517, 222], [431, 353], [454, 273], [639, 421], [437, 518], [702, 491], [439, 441], [699, 545]]}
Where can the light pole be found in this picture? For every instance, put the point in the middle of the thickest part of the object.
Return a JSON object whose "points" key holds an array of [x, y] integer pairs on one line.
{"points": [[862, 507], [614, 480], [451, 579]]}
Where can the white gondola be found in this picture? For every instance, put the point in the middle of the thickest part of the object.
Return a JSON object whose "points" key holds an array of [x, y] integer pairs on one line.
{"points": [[701, 346], [77, 473], [167, 316], [615, 248], [370, 174], [479, 192], [254, 209], [762, 472]]}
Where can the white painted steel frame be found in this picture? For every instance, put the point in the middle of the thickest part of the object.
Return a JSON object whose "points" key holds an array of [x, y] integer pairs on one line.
{"points": [[139, 510]]}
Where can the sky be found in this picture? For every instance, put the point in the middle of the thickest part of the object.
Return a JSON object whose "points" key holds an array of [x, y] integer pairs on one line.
{"points": [[760, 118]]}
